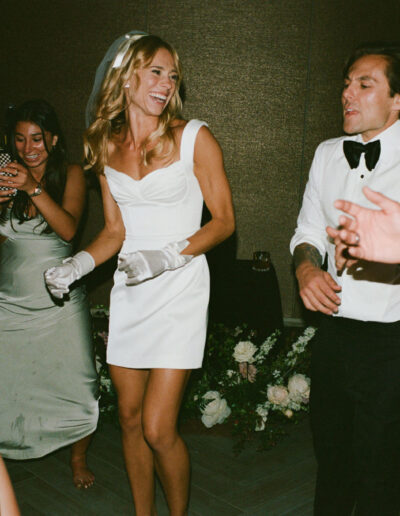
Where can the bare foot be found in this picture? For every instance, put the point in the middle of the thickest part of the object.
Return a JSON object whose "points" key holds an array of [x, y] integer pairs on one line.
{"points": [[82, 477]]}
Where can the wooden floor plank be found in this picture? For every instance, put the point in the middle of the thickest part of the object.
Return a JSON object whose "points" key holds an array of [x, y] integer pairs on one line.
{"points": [[27, 510], [47, 500], [206, 479], [295, 501], [272, 485], [17, 471], [206, 504], [100, 499], [111, 477], [278, 482]]}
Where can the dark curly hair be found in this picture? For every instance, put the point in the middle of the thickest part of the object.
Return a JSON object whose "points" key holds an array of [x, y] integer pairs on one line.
{"points": [[42, 114]]}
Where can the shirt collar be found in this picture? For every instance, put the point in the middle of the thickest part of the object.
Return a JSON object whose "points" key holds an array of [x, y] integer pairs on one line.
{"points": [[390, 141]]}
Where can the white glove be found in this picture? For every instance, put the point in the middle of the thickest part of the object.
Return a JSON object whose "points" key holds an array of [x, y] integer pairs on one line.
{"points": [[142, 265], [58, 279]]}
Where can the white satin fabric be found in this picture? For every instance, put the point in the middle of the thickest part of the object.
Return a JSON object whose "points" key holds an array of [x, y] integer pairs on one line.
{"points": [[160, 323]]}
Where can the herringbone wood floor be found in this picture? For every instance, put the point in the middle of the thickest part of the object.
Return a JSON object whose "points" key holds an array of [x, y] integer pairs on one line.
{"points": [[278, 482]]}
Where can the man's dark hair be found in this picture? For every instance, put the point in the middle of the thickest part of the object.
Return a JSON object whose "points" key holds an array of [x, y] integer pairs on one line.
{"points": [[389, 51]]}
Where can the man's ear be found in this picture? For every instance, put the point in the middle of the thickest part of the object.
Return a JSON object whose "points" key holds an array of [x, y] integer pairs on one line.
{"points": [[55, 140], [396, 102]]}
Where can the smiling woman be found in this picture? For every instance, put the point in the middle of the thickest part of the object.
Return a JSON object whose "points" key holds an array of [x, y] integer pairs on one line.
{"points": [[48, 388], [157, 102], [152, 87], [33, 144], [155, 170]]}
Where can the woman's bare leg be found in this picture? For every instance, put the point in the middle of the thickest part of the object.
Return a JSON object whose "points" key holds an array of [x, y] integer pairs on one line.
{"points": [[8, 502], [130, 385], [162, 400], [82, 477]]}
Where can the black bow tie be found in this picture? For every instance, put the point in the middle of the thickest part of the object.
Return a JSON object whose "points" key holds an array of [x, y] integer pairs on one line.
{"points": [[353, 150]]}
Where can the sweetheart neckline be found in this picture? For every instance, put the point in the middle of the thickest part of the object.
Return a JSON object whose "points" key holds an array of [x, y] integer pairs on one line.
{"points": [[147, 175]]}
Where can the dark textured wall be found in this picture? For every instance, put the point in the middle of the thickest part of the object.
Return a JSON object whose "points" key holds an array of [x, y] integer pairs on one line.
{"points": [[265, 75]]}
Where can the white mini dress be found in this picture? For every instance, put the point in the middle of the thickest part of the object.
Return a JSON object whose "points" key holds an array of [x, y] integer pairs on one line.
{"points": [[160, 323]]}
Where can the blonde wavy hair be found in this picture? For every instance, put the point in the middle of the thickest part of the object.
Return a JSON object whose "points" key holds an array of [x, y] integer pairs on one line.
{"points": [[112, 104]]}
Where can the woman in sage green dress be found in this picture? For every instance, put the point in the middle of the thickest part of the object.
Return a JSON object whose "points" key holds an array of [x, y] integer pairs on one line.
{"points": [[48, 387]]}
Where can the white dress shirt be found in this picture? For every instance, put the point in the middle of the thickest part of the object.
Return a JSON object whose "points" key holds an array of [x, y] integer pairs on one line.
{"points": [[372, 291]]}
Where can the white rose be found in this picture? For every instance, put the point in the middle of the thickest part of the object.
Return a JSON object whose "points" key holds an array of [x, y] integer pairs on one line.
{"points": [[244, 351], [288, 413], [216, 411], [299, 388], [278, 394]]}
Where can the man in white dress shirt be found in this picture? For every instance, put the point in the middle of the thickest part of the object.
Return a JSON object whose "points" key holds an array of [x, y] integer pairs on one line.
{"points": [[355, 384]]}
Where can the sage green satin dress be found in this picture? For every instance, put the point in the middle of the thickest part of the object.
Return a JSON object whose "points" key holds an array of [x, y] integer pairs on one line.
{"points": [[48, 383]]}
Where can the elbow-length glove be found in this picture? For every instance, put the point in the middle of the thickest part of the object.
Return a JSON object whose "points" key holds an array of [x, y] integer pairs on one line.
{"points": [[143, 265], [59, 278]]}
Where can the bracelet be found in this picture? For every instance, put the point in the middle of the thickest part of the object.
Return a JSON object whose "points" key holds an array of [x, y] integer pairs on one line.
{"points": [[36, 191]]}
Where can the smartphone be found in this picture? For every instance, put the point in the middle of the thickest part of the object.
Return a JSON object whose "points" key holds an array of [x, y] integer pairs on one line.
{"points": [[5, 158]]}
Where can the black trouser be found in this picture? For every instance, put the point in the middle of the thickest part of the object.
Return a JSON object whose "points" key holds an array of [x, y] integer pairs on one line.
{"points": [[355, 417]]}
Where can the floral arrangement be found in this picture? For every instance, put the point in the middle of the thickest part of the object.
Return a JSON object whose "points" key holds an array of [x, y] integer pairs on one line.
{"points": [[254, 386]]}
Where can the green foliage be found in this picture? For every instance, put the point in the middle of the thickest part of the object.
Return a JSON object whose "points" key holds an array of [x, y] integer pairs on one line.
{"points": [[257, 388], [108, 397], [238, 373]]}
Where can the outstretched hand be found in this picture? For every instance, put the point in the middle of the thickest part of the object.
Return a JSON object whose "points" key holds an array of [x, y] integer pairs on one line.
{"points": [[371, 234]]}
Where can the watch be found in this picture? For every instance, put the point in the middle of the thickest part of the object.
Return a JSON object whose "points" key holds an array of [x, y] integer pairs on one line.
{"points": [[36, 191]]}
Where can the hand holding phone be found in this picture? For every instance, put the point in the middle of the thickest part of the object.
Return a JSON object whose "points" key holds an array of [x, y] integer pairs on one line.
{"points": [[5, 158]]}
